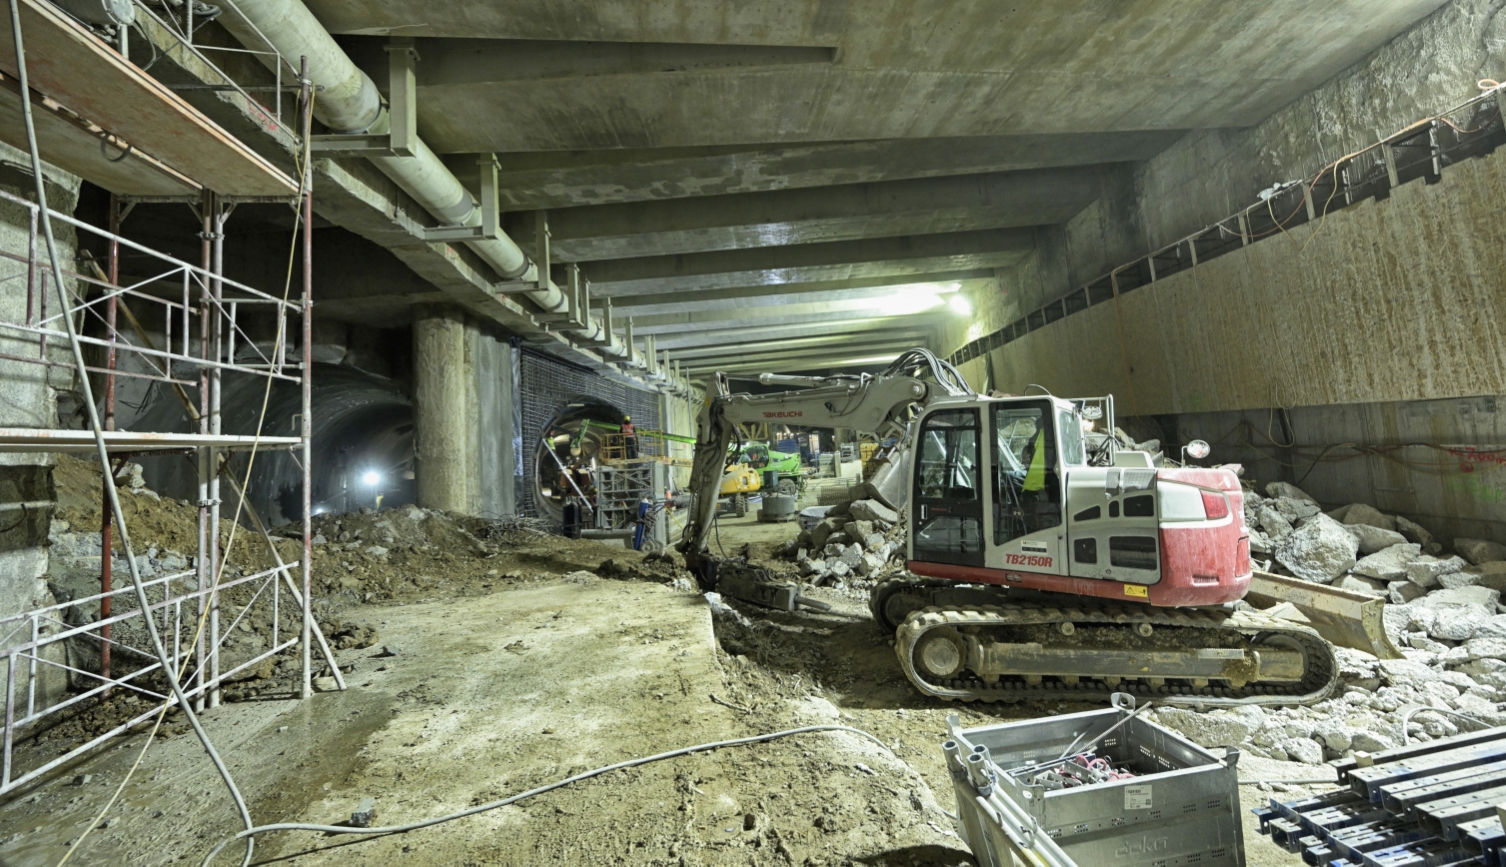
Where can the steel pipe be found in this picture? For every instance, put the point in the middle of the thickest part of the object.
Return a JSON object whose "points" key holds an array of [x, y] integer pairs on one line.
{"points": [[349, 102]]}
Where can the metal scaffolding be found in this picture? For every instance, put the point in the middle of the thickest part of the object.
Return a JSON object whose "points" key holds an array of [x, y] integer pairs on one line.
{"points": [[203, 319]]}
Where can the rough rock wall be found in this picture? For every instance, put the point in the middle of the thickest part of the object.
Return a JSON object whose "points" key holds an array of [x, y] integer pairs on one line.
{"points": [[28, 396]]}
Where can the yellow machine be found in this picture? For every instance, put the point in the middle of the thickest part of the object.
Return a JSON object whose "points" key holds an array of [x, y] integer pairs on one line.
{"points": [[738, 481]]}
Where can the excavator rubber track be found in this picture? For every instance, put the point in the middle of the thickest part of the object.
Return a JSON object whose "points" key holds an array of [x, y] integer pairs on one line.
{"points": [[1151, 649]]}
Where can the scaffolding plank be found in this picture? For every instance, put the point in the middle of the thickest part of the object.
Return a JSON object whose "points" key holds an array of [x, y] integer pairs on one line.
{"points": [[74, 145], [45, 440], [76, 69]]}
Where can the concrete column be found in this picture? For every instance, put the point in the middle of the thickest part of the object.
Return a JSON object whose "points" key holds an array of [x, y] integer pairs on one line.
{"points": [[441, 415]]}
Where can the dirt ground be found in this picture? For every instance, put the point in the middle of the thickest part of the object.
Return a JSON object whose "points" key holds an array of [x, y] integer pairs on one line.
{"points": [[497, 665]]}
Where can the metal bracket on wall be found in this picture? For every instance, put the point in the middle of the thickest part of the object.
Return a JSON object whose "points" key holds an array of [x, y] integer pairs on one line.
{"points": [[402, 112], [491, 218], [606, 327]]}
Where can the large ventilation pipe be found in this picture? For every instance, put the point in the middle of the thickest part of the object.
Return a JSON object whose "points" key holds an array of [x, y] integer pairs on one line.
{"points": [[350, 103]]}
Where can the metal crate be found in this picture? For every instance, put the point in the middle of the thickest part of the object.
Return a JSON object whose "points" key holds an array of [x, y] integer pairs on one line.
{"points": [[1181, 808]]}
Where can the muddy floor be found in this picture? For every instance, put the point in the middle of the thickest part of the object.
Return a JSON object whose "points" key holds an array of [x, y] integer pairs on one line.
{"points": [[516, 664]]}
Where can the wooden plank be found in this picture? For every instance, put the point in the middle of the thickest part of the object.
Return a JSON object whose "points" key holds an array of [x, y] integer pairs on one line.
{"points": [[74, 145], [69, 65]]}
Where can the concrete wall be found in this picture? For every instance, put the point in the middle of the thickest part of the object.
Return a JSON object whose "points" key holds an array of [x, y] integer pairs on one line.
{"points": [[1381, 325], [1442, 463]]}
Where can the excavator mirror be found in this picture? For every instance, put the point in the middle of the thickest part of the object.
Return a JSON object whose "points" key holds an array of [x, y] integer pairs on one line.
{"points": [[1197, 450]]}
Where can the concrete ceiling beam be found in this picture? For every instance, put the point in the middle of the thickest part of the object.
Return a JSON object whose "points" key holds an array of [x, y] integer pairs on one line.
{"points": [[784, 344], [562, 179], [754, 296], [818, 214], [725, 336], [736, 357], [758, 317], [803, 263]]}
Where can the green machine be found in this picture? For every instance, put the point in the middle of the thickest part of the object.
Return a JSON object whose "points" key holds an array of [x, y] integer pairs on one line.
{"points": [[764, 460]]}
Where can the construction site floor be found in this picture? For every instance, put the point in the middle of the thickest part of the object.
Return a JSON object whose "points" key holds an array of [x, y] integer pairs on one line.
{"points": [[497, 688]]}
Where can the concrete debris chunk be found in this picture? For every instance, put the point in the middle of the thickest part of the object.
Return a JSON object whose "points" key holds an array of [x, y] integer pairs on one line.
{"points": [[1273, 522], [1373, 539], [1389, 564], [1283, 489], [1486, 647], [1458, 623], [1479, 551], [852, 555], [873, 510], [1304, 750], [1360, 584], [1260, 543], [1480, 596], [1413, 532], [1402, 592], [1359, 513], [1295, 509], [1424, 571], [1319, 551], [1223, 727]]}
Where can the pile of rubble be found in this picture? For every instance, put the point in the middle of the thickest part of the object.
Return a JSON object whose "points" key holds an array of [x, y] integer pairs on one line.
{"points": [[1444, 615], [1432, 694], [861, 538], [1360, 548]]}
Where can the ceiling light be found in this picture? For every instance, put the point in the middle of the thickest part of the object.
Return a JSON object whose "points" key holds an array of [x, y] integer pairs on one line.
{"points": [[371, 478], [908, 303], [960, 305]]}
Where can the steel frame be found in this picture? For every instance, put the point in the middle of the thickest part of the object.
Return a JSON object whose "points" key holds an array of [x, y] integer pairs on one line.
{"points": [[200, 311]]}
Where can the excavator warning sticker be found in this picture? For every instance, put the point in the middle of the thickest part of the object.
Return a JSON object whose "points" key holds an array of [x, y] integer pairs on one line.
{"points": [[1137, 798], [1136, 590]]}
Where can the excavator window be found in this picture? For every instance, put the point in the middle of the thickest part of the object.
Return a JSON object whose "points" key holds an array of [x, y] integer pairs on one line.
{"points": [[949, 504], [1027, 481]]}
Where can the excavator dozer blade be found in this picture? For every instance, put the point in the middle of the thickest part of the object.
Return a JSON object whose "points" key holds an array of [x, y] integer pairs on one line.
{"points": [[1343, 617]]}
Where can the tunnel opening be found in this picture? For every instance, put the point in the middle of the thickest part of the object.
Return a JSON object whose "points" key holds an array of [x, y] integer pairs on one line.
{"points": [[362, 451], [569, 452]]}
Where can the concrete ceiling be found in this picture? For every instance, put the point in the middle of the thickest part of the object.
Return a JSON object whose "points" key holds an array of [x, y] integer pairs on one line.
{"points": [[774, 183]]}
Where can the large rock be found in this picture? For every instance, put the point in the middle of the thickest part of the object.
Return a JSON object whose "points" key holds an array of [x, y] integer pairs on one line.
{"points": [[1459, 622], [1373, 539], [1295, 509], [858, 530], [1361, 584], [852, 555], [1413, 532], [1486, 647], [1260, 543], [1479, 551], [873, 510], [1304, 750], [1494, 627], [1424, 570], [1216, 729], [1319, 551], [1275, 524], [1481, 596], [1282, 489], [1359, 513], [1402, 592], [1389, 564]]}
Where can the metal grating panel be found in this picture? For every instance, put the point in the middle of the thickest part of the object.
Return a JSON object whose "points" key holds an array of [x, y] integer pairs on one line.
{"points": [[547, 385]]}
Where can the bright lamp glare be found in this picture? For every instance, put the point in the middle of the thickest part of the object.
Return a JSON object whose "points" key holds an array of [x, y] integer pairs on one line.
{"points": [[371, 478], [960, 305], [906, 304]]}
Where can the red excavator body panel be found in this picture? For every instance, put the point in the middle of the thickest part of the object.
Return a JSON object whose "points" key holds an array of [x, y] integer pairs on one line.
{"points": [[1202, 563]]}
